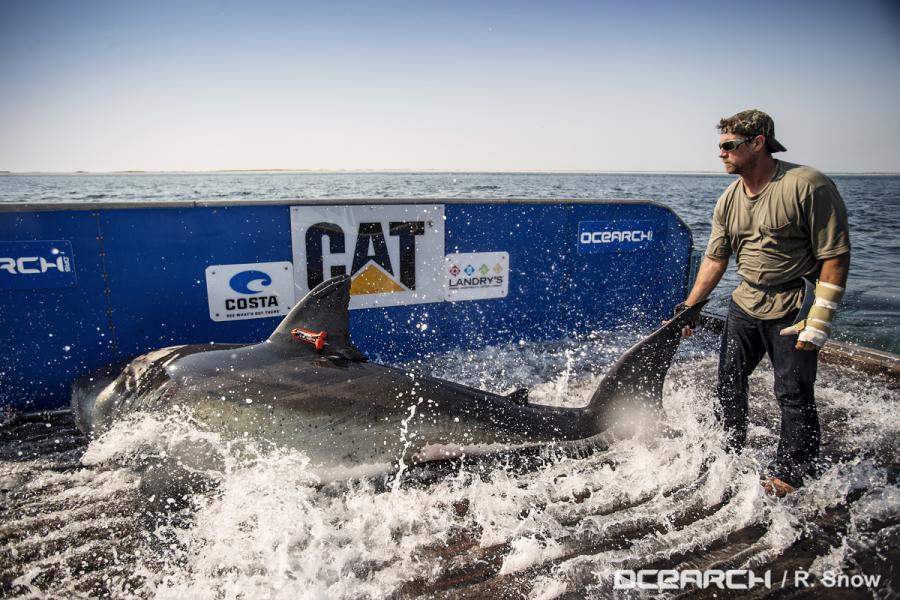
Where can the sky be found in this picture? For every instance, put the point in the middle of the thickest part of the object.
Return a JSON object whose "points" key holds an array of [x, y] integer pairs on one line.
{"points": [[450, 86]]}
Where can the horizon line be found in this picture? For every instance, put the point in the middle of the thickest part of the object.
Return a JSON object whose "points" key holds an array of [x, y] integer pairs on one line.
{"points": [[409, 171]]}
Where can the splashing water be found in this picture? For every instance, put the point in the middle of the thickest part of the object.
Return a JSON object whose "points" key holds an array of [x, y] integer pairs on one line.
{"points": [[88, 521]]}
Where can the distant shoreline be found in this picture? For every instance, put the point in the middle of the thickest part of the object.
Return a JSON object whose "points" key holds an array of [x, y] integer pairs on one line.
{"points": [[391, 172]]}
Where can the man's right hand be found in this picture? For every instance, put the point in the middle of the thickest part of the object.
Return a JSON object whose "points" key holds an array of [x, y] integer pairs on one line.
{"points": [[687, 330], [708, 276]]}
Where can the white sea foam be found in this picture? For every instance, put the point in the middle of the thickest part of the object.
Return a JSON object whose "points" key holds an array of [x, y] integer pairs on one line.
{"points": [[267, 528]]}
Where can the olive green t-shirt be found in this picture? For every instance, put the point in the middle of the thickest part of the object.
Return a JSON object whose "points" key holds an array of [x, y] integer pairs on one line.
{"points": [[779, 235]]}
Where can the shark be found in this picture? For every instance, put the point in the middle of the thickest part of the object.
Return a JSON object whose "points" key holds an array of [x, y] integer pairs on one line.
{"points": [[307, 386]]}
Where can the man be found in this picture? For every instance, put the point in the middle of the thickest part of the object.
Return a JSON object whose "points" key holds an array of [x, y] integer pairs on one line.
{"points": [[782, 222]]}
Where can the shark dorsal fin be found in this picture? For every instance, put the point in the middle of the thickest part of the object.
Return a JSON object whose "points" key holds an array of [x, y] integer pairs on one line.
{"points": [[324, 308]]}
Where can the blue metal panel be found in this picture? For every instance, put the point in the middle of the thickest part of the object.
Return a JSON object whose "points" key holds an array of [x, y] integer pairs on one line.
{"points": [[141, 283], [50, 335], [630, 287], [156, 260]]}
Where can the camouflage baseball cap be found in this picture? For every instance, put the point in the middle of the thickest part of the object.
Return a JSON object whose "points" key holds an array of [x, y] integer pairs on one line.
{"points": [[752, 122]]}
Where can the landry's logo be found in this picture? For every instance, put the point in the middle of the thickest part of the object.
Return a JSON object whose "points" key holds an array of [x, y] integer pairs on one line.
{"points": [[481, 276], [371, 269], [393, 253], [476, 276]]}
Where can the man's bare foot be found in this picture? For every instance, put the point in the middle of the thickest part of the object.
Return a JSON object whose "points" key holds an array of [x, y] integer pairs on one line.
{"points": [[777, 487]]}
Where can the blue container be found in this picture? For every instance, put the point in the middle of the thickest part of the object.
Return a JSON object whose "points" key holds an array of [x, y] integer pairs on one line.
{"points": [[87, 285]]}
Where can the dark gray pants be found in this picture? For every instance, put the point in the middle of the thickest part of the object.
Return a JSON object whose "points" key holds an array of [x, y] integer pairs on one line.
{"points": [[745, 341]]}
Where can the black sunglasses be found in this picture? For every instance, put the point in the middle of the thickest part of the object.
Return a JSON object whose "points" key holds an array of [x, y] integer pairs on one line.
{"points": [[732, 145]]}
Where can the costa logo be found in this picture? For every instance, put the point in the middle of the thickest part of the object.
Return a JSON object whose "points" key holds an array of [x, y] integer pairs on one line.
{"points": [[249, 291], [242, 281]]}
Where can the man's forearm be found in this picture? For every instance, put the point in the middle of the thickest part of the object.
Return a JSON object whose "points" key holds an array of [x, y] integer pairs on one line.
{"points": [[708, 276], [835, 270], [829, 290]]}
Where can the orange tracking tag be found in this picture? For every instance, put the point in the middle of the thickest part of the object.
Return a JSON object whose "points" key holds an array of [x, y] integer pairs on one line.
{"points": [[310, 337]]}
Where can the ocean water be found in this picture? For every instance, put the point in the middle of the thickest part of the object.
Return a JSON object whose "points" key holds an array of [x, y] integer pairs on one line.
{"points": [[80, 521], [88, 518], [869, 314]]}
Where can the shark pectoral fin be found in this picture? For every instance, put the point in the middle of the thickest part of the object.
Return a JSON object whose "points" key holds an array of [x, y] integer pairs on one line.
{"points": [[324, 310], [518, 396], [631, 392]]}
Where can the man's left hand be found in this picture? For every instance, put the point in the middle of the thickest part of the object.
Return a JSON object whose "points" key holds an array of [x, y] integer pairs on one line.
{"points": [[811, 339]]}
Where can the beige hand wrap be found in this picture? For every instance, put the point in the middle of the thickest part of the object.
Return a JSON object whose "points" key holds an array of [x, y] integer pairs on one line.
{"points": [[816, 327]]}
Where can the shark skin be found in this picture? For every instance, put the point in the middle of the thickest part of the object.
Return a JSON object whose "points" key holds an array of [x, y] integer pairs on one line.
{"points": [[349, 414]]}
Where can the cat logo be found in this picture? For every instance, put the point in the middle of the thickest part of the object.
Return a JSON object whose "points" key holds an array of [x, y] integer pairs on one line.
{"points": [[372, 270], [393, 254]]}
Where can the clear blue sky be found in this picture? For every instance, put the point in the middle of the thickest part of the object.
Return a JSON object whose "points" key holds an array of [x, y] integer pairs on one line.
{"points": [[457, 85]]}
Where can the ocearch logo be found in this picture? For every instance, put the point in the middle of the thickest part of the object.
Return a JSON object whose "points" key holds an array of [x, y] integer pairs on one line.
{"points": [[34, 265], [618, 236], [608, 237]]}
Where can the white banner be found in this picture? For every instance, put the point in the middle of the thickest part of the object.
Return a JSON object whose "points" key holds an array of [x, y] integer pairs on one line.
{"points": [[393, 253], [476, 275], [249, 291]]}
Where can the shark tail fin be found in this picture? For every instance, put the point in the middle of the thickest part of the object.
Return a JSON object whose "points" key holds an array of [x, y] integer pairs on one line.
{"points": [[325, 309], [630, 394]]}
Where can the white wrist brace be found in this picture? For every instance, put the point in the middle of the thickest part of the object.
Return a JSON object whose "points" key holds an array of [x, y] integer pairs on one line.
{"points": [[816, 327]]}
